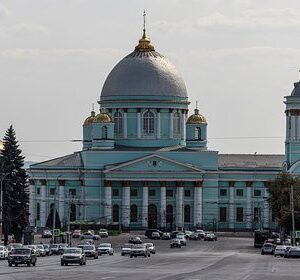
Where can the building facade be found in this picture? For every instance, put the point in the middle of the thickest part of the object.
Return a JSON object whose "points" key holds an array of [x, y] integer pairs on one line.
{"points": [[145, 161]]}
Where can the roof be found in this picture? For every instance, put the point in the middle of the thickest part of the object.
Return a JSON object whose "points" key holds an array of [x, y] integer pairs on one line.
{"points": [[68, 161], [250, 161], [296, 90]]}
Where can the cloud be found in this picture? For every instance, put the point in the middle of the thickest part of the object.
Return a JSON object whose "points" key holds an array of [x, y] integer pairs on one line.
{"points": [[271, 19], [4, 12], [25, 28]]}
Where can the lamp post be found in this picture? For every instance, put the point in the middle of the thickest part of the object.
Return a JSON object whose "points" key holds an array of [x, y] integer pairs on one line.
{"points": [[293, 214], [1, 204]]}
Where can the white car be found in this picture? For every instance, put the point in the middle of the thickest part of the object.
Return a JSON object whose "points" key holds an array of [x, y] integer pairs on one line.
{"points": [[105, 248], [280, 251], [42, 250], [181, 237], [103, 233], [151, 247], [126, 249], [73, 255], [3, 252]]}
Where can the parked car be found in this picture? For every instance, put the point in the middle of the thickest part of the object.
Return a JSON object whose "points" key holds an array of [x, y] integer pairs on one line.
{"points": [[41, 249], [3, 252], [57, 249], [174, 234], [151, 247], [12, 246], [103, 233], [89, 250], [200, 232], [105, 248], [181, 237], [140, 250], [86, 242], [166, 236], [22, 256], [267, 249], [47, 249], [46, 233], [155, 235], [76, 233], [126, 249], [148, 232], [293, 252], [175, 242], [89, 235], [210, 237], [135, 240], [280, 250], [73, 255], [33, 248], [187, 234], [195, 236]]}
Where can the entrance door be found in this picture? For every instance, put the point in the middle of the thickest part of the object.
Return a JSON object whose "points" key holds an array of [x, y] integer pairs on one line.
{"points": [[152, 216], [169, 216]]}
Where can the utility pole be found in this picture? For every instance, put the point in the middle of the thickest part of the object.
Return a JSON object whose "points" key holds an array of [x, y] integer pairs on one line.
{"points": [[54, 216], [293, 215]]}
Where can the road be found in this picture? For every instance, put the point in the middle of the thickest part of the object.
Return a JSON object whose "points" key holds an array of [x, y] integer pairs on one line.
{"points": [[227, 258]]}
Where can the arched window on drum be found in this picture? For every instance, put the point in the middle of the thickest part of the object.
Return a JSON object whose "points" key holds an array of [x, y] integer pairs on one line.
{"points": [[118, 121], [197, 133], [104, 132], [148, 123]]}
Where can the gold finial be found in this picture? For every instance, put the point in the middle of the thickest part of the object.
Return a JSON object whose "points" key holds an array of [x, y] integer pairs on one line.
{"points": [[93, 110], [144, 42], [196, 109]]}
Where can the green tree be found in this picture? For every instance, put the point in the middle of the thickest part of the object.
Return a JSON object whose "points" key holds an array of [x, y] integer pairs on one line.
{"points": [[49, 223], [279, 200], [15, 194]]}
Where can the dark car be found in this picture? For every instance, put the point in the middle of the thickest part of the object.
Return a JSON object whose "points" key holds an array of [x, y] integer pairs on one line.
{"points": [[148, 232], [210, 237], [135, 240], [22, 256], [175, 243]]}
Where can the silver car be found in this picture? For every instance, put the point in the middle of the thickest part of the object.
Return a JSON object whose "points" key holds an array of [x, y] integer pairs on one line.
{"points": [[3, 252], [126, 249], [151, 247]]}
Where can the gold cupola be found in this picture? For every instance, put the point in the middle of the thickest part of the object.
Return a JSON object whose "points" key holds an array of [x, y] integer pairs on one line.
{"points": [[102, 117], [196, 118], [144, 43], [89, 120]]}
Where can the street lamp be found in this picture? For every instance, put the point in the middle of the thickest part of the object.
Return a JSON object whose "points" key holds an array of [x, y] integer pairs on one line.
{"points": [[1, 203]]}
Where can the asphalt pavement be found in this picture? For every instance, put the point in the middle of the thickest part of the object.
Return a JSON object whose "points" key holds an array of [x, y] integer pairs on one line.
{"points": [[227, 258]]}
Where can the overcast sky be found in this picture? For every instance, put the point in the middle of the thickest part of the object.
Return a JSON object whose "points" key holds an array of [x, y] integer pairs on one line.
{"points": [[239, 58]]}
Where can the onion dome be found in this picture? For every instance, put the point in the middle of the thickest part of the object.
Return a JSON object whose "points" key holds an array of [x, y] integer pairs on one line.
{"points": [[89, 120], [102, 118], [196, 118]]}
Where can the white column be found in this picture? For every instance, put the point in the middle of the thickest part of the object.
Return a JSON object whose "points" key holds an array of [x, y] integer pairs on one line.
{"points": [[126, 205], [32, 207], [182, 125], [171, 124], [158, 125], [231, 206], [293, 128], [108, 207], [249, 216], [298, 127], [43, 206], [125, 125], [179, 205], [163, 205], [61, 203], [138, 125], [287, 125], [266, 209], [198, 205], [145, 206]]}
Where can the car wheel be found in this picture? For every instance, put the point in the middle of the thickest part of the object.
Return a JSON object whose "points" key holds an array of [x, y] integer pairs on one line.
{"points": [[28, 264], [96, 257], [62, 263], [145, 256], [179, 246], [131, 256], [149, 255], [122, 254], [9, 264], [171, 246], [16, 264]]}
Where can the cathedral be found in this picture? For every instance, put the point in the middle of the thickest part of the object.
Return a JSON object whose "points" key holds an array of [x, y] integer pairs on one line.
{"points": [[145, 163]]}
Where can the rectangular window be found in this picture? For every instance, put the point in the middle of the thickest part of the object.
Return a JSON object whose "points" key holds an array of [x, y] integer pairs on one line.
{"points": [[257, 192], [151, 192], [72, 192], [187, 192], [38, 191], [133, 192], [223, 214], [257, 214], [52, 191], [115, 192], [169, 193], [239, 214], [223, 192], [38, 212], [239, 192]]}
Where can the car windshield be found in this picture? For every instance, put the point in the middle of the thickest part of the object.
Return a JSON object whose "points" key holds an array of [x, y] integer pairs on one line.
{"points": [[127, 246], [104, 245], [53, 246], [16, 245], [40, 246], [72, 251], [87, 233], [45, 246], [103, 230], [21, 251], [149, 244], [88, 248], [268, 245], [2, 248], [63, 245], [141, 246]]}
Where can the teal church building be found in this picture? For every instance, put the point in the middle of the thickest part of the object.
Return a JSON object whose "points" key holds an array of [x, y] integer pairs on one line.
{"points": [[145, 162]]}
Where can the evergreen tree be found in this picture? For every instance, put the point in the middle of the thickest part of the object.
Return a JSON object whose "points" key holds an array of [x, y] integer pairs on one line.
{"points": [[279, 200], [15, 194], [49, 223]]}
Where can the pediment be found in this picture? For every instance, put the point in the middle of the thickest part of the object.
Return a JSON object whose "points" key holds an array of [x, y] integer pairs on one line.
{"points": [[154, 163]]}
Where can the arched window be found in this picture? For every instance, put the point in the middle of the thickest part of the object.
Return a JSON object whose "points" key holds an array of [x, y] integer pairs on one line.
{"points": [[198, 133], [116, 213], [176, 123], [118, 120], [187, 213], [51, 206], [148, 123], [133, 213], [104, 132], [72, 212], [169, 214], [38, 211]]}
